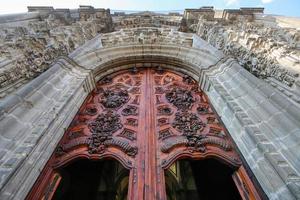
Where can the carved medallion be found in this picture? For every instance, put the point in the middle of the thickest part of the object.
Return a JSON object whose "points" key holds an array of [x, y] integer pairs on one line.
{"points": [[114, 99], [187, 123], [182, 99], [102, 129]]}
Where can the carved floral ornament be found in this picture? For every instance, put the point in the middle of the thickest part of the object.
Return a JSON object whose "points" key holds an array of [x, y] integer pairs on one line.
{"points": [[112, 117], [181, 98], [106, 121], [114, 98], [190, 119], [187, 123]]}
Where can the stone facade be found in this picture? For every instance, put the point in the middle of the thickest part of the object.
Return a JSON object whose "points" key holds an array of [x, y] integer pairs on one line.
{"points": [[245, 61]]}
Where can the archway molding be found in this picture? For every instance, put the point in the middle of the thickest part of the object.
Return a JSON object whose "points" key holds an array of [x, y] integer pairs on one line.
{"points": [[55, 97]]}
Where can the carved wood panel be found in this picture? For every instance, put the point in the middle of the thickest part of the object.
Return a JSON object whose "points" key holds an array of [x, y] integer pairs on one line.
{"points": [[186, 124], [107, 122], [146, 119]]}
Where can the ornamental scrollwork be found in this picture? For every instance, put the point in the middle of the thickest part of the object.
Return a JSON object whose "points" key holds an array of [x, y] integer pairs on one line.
{"points": [[195, 142], [182, 99], [114, 98], [102, 129], [187, 123]]}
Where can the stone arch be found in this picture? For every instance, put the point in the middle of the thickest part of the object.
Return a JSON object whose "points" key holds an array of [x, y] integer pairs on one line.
{"points": [[202, 62], [77, 142]]}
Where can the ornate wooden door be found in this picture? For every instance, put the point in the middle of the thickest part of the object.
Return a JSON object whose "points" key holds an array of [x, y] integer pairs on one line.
{"points": [[146, 119]]}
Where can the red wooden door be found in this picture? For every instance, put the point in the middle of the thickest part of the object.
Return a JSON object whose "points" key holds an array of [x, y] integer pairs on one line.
{"points": [[146, 119]]}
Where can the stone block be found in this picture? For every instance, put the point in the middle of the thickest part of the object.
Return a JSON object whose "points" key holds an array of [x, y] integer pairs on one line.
{"points": [[10, 162], [294, 111], [24, 150], [266, 147], [266, 110], [295, 187], [292, 155], [4, 173], [274, 182], [280, 100], [48, 90], [9, 103], [250, 145], [26, 113], [2, 153], [6, 143], [266, 90], [11, 128], [283, 124]]}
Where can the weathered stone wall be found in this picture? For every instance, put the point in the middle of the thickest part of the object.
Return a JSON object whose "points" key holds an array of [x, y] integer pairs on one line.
{"points": [[266, 46], [31, 42]]}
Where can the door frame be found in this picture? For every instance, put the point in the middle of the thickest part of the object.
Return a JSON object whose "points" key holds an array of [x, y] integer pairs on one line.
{"points": [[48, 181]]}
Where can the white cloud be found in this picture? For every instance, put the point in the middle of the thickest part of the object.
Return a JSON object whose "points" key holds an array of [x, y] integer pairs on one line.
{"points": [[233, 2], [266, 1]]}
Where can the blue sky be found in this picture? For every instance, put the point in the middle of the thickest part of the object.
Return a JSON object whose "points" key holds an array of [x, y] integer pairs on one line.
{"points": [[280, 7]]}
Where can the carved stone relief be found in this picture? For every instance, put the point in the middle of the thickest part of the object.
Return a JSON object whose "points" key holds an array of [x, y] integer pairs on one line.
{"points": [[253, 45]]}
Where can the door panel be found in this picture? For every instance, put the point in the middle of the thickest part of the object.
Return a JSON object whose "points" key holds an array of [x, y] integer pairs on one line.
{"points": [[147, 120]]}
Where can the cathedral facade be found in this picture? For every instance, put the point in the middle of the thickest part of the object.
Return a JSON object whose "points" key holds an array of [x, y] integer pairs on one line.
{"points": [[199, 105]]}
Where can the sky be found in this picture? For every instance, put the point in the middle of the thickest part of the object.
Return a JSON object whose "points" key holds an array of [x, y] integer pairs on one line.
{"points": [[279, 7]]}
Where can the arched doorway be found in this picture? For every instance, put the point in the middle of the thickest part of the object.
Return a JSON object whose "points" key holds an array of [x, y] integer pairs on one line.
{"points": [[148, 119], [85, 179], [193, 179]]}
